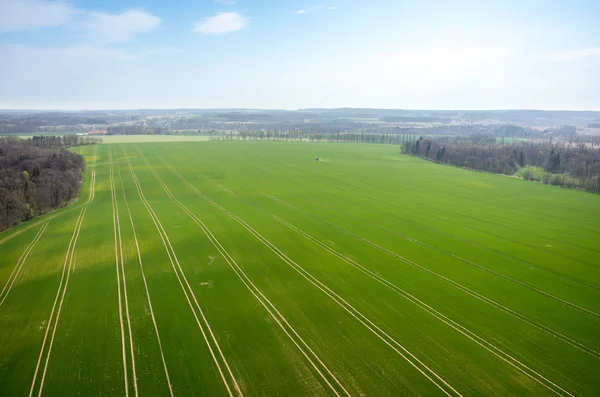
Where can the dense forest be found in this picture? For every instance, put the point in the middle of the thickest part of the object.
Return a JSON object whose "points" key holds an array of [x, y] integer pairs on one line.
{"points": [[561, 164], [38, 175]]}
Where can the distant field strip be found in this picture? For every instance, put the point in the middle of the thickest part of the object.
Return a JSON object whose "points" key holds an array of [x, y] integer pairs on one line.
{"points": [[329, 378], [461, 287], [187, 289], [17, 270], [397, 347], [139, 256], [68, 266], [446, 320], [119, 263]]}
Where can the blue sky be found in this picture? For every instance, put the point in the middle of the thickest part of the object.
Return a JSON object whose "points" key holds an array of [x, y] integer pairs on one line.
{"points": [[130, 54]]}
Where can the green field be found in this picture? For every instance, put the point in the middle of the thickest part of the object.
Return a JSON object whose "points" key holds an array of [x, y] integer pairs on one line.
{"points": [[248, 268], [152, 138]]}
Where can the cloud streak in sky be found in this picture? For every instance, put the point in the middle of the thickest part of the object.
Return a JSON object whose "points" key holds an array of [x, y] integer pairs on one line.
{"points": [[22, 15], [113, 28], [223, 22]]}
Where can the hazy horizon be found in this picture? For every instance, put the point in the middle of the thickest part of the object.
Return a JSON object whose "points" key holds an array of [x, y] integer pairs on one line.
{"points": [[66, 110], [227, 54]]}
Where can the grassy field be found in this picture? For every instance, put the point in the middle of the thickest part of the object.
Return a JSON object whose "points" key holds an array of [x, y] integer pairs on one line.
{"points": [[249, 268], [132, 138], [152, 138]]}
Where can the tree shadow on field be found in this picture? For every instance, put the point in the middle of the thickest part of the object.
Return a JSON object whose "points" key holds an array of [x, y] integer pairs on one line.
{"points": [[17, 367]]}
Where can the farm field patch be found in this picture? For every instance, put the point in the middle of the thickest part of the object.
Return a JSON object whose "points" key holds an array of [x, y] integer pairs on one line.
{"points": [[249, 268]]}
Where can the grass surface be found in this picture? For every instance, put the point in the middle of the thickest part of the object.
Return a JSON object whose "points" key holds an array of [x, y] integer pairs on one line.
{"points": [[152, 138], [249, 268]]}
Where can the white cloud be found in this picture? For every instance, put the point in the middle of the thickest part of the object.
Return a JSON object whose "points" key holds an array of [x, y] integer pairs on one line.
{"points": [[223, 22], [19, 15], [316, 8], [577, 55], [113, 28], [228, 2]]}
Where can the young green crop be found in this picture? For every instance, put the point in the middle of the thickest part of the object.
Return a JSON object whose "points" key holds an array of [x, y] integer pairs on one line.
{"points": [[249, 268]]}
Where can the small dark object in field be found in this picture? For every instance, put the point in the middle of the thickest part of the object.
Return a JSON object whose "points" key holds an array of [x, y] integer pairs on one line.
{"points": [[317, 159]]}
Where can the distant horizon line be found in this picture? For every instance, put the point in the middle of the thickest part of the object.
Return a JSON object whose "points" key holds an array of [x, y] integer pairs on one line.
{"points": [[65, 110]]}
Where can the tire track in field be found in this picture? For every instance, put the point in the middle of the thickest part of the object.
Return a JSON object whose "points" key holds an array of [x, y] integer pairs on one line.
{"points": [[60, 294], [187, 292], [95, 157], [20, 263], [427, 372], [436, 314], [120, 267], [455, 284], [291, 333], [48, 219], [139, 255], [468, 262]]}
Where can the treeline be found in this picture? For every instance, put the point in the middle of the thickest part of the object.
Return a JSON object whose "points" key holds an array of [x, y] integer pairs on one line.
{"points": [[315, 136], [329, 130], [563, 164], [35, 129], [37, 175], [330, 133], [62, 142], [332, 129]]}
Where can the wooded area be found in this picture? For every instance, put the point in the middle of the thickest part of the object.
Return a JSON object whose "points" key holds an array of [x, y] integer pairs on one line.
{"points": [[38, 175], [576, 166]]}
